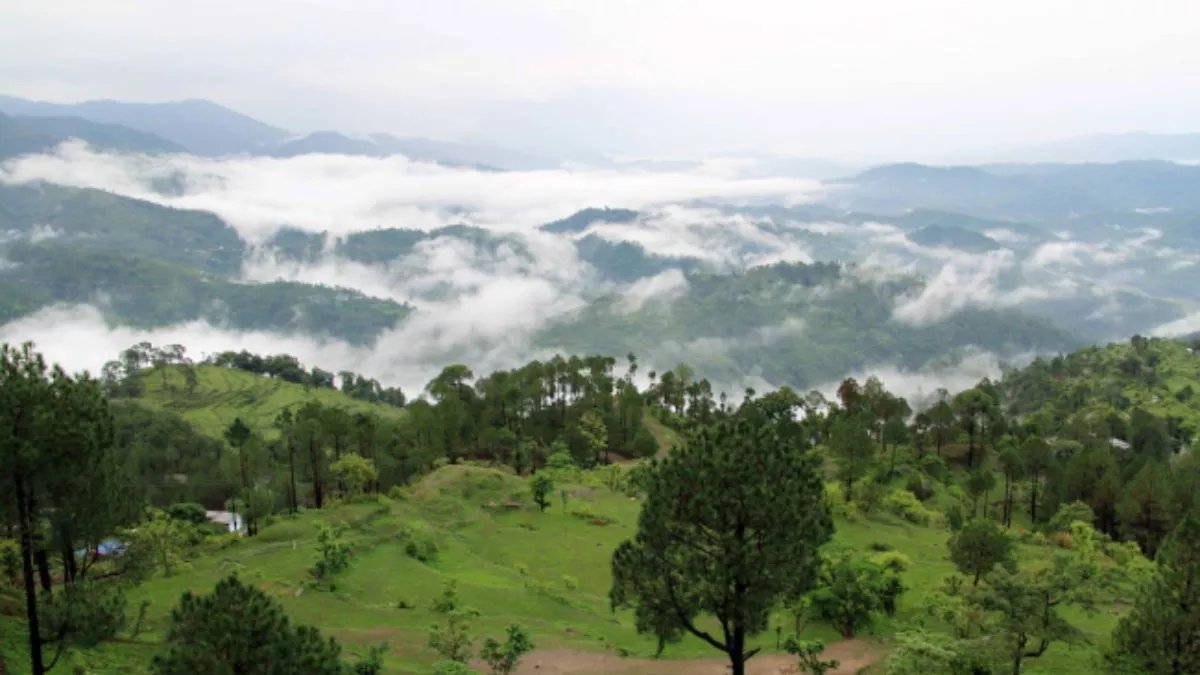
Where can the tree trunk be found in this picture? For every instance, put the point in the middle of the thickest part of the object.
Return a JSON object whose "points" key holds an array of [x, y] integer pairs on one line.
{"points": [[318, 491], [1033, 489], [43, 567], [24, 509], [737, 652], [292, 476]]}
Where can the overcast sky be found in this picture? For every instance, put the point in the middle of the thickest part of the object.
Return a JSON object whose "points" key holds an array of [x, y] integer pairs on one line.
{"points": [[873, 78]]}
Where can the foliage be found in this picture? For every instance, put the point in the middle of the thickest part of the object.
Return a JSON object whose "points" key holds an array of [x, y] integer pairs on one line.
{"points": [[452, 638], [541, 486], [503, 658], [732, 519], [355, 472], [980, 546], [163, 538], [1070, 513], [333, 552], [1028, 605], [852, 588], [1161, 633], [809, 653], [239, 630]]}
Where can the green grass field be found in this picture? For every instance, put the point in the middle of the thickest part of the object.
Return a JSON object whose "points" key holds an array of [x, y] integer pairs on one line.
{"points": [[510, 562], [223, 394]]}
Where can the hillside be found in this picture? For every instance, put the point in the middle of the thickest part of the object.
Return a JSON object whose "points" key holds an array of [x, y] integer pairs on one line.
{"points": [[32, 135], [1029, 192], [802, 325], [203, 127], [158, 266], [951, 236], [510, 562], [223, 394], [1102, 387]]}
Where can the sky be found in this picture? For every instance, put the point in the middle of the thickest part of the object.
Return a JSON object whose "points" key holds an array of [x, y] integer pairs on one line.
{"points": [[850, 79]]}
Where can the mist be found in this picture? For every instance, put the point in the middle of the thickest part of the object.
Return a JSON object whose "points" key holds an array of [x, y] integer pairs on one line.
{"points": [[485, 305]]}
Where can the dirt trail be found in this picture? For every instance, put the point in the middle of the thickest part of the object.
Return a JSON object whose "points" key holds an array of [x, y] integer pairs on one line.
{"points": [[853, 655]]}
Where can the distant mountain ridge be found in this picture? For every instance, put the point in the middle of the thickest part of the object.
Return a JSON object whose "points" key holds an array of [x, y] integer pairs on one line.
{"points": [[30, 135], [202, 127], [1019, 192], [209, 129]]}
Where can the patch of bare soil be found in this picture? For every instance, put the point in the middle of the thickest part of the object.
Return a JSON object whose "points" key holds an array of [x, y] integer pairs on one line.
{"points": [[853, 655]]}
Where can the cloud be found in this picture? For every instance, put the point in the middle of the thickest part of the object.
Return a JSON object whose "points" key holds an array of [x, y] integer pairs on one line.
{"points": [[341, 194], [708, 234], [486, 331], [919, 386], [665, 286], [1182, 326], [956, 287]]}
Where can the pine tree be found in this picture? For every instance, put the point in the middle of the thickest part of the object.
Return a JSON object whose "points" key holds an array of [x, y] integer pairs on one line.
{"points": [[239, 630], [1161, 634], [731, 524]]}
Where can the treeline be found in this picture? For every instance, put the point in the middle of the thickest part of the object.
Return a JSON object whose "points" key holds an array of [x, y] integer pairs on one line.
{"points": [[121, 377], [515, 417], [1016, 437]]}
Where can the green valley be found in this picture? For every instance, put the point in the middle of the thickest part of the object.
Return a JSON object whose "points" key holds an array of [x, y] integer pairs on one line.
{"points": [[451, 495]]}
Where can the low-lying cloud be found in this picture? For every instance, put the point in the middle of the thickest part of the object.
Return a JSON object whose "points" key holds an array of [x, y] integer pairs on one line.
{"points": [[343, 194]]}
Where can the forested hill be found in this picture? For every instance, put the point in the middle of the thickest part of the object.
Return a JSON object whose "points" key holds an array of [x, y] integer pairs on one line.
{"points": [[795, 324], [31, 135], [158, 266], [1141, 392]]}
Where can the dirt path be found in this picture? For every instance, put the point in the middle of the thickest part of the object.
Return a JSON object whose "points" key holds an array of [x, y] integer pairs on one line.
{"points": [[853, 655]]}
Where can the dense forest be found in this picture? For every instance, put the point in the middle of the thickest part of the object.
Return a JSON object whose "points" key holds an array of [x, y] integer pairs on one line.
{"points": [[1090, 450], [803, 325]]}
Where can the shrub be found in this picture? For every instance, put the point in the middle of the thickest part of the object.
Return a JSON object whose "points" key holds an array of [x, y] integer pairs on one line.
{"points": [[1062, 540], [880, 546], [585, 512], [452, 668], [834, 494], [10, 560], [423, 548], [921, 488], [1069, 513], [1037, 539], [906, 505], [188, 512], [935, 467], [954, 518], [419, 543], [569, 582], [397, 492]]}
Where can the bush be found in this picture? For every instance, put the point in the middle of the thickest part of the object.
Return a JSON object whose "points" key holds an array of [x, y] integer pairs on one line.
{"points": [[906, 505], [397, 492], [954, 518], [419, 542], [1037, 539], [880, 546], [921, 488], [452, 668], [1069, 513], [935, 467], [1063, 540], [585, 512], [188, 512], [569, 582]]}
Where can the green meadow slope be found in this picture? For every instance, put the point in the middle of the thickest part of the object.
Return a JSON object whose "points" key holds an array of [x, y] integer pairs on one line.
{"points": [[224, 394], [512, 563]]}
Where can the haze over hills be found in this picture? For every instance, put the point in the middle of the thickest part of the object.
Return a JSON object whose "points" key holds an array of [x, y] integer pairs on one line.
{"points": [[352, 253]]}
